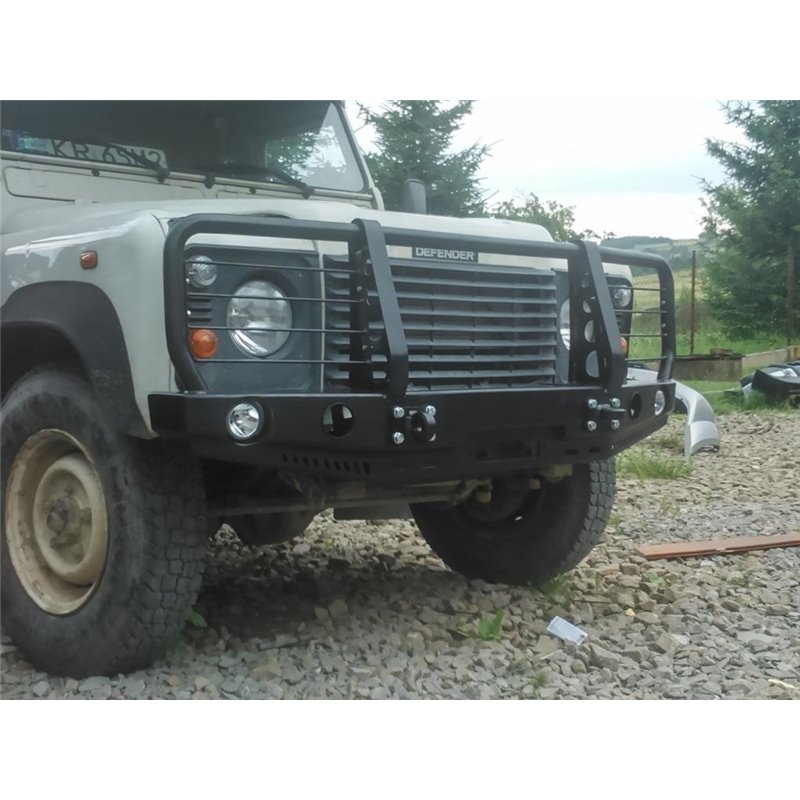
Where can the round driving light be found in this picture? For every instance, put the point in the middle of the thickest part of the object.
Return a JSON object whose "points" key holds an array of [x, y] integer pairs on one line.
{"points": [[201, 272], [660, 402], [622, 296], [244, 421], [261, 318], [563, 323]]}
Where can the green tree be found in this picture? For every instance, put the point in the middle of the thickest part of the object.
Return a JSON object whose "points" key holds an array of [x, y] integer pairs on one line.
{"points": [[414, 140], [557, 219], [753, 220]]}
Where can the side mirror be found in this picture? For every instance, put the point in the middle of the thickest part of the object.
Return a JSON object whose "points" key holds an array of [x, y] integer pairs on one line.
{"points": [[414, 198]]}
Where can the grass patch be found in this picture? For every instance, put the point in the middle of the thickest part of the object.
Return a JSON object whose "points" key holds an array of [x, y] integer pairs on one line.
{"points": [[487, 629], [558, 589], [648, 464], [713, 387], [656, 580], [704, 341], [728, 402], [196, 619], [671, 442], [726, 398], [538, 682]]}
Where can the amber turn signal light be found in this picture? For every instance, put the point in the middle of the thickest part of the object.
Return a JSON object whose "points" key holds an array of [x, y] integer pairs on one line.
{"points": [[88, 259], [623, 344], [203, 343]]}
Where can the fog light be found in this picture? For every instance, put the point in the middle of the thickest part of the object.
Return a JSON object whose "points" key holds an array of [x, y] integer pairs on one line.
{"points": [[244, 421], [660, 402]]}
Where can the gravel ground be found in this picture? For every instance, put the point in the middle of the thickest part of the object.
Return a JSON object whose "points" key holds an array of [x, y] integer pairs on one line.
{"points": [[364, 610]]}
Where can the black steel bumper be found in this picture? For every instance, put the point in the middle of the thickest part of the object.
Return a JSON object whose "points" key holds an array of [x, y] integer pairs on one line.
{"points": [[475, 433]]}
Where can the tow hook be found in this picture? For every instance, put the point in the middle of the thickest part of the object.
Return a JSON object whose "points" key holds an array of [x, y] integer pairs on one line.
{"points": [[423, 425], [417, 422], [612, 411]]}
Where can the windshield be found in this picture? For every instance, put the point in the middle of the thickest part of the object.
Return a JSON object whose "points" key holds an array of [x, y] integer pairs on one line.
{"points": [[269, 141]]}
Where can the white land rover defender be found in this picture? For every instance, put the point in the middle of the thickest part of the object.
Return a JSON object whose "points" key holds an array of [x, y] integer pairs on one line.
{"points": [[208, 317]]}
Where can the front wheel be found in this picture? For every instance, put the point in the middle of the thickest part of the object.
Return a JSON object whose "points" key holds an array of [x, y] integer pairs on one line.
{"points": [[104, 537], [522, 536]]}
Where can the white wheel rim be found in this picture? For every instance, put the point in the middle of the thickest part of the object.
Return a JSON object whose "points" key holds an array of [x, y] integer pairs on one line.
{"points": [[56, 521]]}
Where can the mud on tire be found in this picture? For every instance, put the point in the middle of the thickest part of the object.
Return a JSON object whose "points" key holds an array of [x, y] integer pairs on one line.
{"points": [[104, 536]]}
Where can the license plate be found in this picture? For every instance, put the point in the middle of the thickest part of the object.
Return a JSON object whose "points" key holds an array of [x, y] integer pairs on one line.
{"points": [[123, 154]]}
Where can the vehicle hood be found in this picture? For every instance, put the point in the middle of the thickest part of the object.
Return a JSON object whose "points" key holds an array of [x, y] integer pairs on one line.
{"points": [[97, 214]]}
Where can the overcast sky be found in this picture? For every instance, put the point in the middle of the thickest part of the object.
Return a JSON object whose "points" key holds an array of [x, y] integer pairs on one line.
{"points": [[631, 167]]}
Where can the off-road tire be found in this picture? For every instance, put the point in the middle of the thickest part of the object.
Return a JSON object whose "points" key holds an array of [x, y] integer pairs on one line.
{"points": [[550, 532], [155, 543]]}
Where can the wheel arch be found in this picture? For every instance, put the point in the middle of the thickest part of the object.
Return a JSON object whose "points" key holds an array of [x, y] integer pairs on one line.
{"points": [[70, 321]]}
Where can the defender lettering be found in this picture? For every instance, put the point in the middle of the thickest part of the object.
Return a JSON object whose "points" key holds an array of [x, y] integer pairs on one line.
{"points": [[446, 255]]}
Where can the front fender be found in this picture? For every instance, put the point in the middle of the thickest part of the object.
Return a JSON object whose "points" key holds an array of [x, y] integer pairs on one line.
{"points": [[48, 321]]}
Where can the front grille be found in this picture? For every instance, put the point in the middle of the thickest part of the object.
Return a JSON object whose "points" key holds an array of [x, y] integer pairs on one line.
{"points": [[199, 309], [467, 327]]}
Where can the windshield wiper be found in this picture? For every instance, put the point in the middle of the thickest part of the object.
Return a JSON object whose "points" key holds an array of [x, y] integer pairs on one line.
{"points": [[271, 170]]}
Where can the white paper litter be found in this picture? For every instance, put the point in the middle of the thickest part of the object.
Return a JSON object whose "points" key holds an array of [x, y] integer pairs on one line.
{"points": [[566, 631]]}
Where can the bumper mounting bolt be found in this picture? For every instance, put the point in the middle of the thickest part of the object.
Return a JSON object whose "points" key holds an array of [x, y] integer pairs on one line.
{"points": [[614, 424], [398, 412], [615, 403], [591, 404], [398, 438], [430, 410], [591, 425]]}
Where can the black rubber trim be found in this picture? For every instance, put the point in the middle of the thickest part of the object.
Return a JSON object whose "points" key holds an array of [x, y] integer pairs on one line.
{"points": [[82, 316]]}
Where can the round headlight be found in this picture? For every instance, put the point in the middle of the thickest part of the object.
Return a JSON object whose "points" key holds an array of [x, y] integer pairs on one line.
{"points": [[622, 296], [563, 323], [201, 272], [262, 316]]}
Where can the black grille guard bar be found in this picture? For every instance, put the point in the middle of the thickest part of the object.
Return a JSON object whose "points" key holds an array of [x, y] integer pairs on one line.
{"points": [[367, 241]]}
